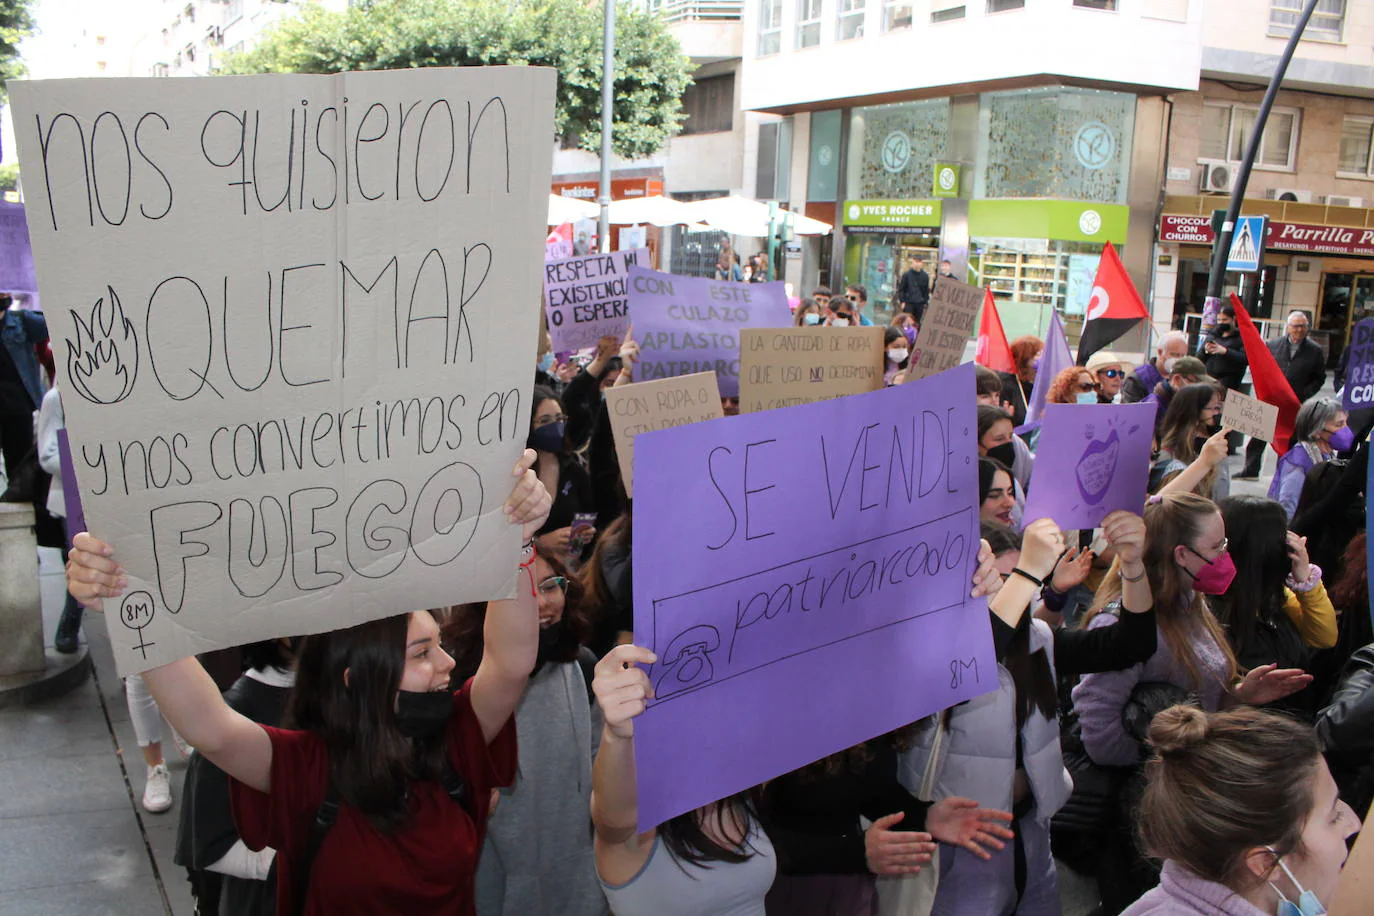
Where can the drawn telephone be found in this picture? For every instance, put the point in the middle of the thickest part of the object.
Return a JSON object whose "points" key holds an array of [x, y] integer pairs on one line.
{"points": [[687, 661]]}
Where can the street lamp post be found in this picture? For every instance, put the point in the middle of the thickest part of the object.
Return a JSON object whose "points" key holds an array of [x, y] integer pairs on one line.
{"points": [[603, 226]]}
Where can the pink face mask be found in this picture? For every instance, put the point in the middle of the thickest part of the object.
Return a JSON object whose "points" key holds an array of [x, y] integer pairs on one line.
{"points": [[1216, 577]]}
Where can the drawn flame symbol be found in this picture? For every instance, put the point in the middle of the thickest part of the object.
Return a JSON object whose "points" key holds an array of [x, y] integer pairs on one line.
{"points": [[102, 363]]}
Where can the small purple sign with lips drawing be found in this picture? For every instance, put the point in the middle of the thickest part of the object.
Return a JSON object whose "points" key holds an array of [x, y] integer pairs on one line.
{"points": [[1104, 449]]}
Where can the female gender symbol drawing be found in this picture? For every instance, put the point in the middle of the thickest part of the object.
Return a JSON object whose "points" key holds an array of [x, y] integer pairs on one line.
{"points": [[136, 612]]}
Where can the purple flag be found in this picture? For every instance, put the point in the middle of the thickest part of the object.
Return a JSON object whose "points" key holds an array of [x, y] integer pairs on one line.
{"points": [[1092, 459], [1056, 358], [689, 324], [804, 577], [71, 493]]}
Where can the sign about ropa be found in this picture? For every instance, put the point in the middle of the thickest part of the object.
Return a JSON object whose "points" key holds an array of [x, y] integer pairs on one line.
{"points": [[293, 364]]}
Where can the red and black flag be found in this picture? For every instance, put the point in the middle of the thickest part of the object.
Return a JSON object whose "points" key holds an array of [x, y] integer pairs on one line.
{"points": [[1113, 309]]}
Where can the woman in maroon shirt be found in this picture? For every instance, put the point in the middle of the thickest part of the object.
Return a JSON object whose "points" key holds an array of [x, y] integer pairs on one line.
{"points": [[377, 724]]}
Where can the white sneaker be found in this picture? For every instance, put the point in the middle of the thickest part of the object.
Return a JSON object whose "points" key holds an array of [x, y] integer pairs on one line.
{"points": [[157, 794]]}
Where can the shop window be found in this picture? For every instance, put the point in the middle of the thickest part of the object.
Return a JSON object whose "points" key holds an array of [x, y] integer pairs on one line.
{"points": [[896, 15], [893, 149], [770, 27], [1064, 143], [709, 105], [1226, 130], [1001, 6], [1327, 22], [850, 19], [1356, 148], [808, 23]]}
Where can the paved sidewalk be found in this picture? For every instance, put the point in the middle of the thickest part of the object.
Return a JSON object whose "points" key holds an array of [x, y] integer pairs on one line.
{"points": [[73, 838]]}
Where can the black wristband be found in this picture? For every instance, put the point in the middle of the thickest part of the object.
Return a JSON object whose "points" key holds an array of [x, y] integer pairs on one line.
{"points": [[1018, 571]]}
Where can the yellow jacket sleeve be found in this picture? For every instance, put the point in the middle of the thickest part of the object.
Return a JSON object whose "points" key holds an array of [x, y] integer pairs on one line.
{"points": [[1313, 615]]}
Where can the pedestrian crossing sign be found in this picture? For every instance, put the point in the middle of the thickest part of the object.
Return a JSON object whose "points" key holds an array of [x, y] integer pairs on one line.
{"points": [[1247, 243]]}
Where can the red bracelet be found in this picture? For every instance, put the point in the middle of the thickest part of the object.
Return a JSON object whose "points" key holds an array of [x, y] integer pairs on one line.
{"points": [[528, 567]]}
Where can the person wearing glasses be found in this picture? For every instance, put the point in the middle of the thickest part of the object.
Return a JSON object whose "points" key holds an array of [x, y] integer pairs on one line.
{"points": [[1074, 385], [1109, 369], [563, 475], [537, 859], [857, 295], [1303, 364]]}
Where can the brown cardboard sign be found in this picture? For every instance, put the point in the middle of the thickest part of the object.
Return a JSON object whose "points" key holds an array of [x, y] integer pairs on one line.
{"points": [[781, 367], [646, 406], [947, 327], [1249, 415]]}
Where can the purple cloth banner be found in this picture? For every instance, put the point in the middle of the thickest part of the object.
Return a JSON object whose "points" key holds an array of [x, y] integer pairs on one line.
{"points": [[804, 577], [1359, 367], [71, 493], [585, 298], [1056, 358], [16, 258], [1092, 459], [689, 324]]}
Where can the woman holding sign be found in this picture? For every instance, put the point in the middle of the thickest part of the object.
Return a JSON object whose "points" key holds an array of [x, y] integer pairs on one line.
{"points": [[568, 529], [377, 800]]}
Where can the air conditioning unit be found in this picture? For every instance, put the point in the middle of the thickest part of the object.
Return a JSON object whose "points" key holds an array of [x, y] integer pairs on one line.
{"points": [[1291, 195], [1218, 176], [1339, 200]]}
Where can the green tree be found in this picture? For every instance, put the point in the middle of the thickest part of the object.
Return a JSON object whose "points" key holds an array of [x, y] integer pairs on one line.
{"points": [[16, 24], [651, 71]]}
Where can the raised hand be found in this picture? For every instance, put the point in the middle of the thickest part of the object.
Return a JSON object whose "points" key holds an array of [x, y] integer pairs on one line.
{"points": [[529, 502], [1268, 683], [1072, 570], [960, 822], [986, 580], [1125, 532], [622, 688], [1214, 449], [895, 852], [1297, 551], [1041, 546], [92, 573]]}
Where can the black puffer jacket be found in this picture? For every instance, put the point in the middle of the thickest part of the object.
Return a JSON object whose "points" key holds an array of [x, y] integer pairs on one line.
{"points": [[1346, 731]]}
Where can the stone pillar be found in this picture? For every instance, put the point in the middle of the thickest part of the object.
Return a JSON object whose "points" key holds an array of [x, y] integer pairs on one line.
{"points": [[21, 611]]}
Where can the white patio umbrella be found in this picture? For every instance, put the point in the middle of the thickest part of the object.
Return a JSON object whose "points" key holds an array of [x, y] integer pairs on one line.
{"points": [[742, 216], [570, 210], [655, 210]]}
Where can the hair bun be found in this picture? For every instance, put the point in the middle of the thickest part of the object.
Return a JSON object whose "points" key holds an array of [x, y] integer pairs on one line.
{"points": [[1178, 730]]}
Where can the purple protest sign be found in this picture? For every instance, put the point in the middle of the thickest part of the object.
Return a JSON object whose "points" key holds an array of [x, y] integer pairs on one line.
{"points": [[690, 324], [16, 257], [1092, 459], [804, 579], [71, 493], [585, 298], [1359, 367]]}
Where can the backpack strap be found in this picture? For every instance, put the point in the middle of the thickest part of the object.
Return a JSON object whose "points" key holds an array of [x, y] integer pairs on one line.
{"points": [[325, 816], [456, 788]]}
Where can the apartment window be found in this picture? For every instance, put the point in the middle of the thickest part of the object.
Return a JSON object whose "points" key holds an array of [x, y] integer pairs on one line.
{"points": [[709, 105], [896, 15], [233, 10], [1001, 6], [947, 13], [1226, 130], [1327, 22], [808, 23], [850, 19], [1096, 4], [770, 27], [1356, 148]]}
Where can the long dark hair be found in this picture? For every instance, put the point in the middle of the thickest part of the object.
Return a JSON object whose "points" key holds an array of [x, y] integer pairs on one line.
{"points": [[688, 842], [1030, 671], [1256, 529], [462, 628], [370, 761], [597, 596]]}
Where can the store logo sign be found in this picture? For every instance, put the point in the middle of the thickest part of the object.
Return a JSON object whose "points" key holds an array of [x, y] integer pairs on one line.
{"points": [[854, 212], [947, 179], [896, 152], [1090, 222], [1094, 145]]}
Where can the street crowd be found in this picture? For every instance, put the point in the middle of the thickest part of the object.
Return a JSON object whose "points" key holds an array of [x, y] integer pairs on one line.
{"points": [[1184, 710]]}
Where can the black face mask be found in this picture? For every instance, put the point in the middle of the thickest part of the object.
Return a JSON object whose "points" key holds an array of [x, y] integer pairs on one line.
{"points": [[423, 714], [1223, 328], [1005, 453]]}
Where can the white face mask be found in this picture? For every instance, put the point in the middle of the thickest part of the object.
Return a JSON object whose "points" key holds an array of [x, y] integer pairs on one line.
{"points": [[898, 354], [840, 323]]}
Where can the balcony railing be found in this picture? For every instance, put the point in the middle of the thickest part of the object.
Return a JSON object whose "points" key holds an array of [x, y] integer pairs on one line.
{"points": [[697, 10]]}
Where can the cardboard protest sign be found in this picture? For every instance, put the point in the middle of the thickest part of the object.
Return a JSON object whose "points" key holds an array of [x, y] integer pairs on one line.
{"points": [[776, 557], [585, 298], [690, 324], [1092, 459], [646, 406], [947, 327], [1248, 415], [784, 367], [16, 257], [294, 366], [1359, 367]]}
